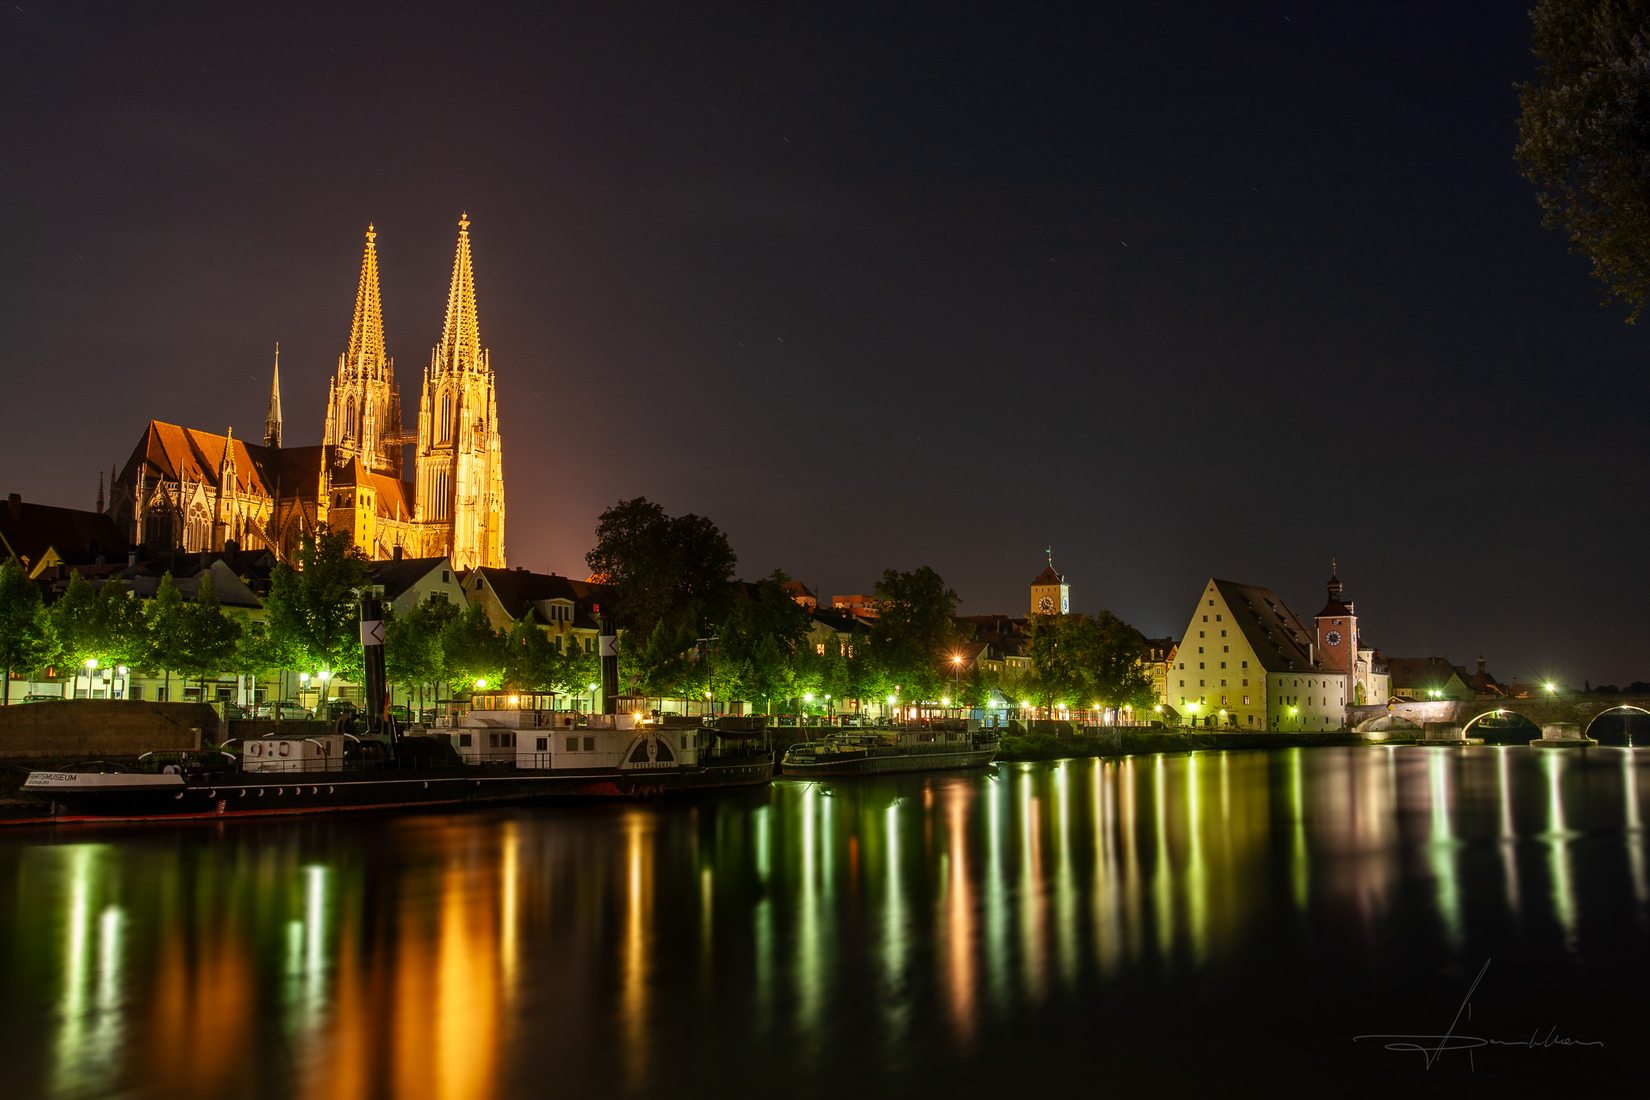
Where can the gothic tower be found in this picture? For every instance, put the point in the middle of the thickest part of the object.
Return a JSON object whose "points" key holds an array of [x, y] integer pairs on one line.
{"points": [[460, 492], [363, 402]]}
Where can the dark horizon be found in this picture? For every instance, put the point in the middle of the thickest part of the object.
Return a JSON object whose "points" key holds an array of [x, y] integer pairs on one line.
{"points": [[1180, 293]]}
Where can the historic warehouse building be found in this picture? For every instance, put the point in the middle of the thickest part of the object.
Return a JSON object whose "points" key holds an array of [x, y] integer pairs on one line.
{"points": [[186, 489]]}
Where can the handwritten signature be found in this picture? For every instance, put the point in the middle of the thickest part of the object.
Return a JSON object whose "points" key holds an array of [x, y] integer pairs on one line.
{"points": [[1433, 1047]]}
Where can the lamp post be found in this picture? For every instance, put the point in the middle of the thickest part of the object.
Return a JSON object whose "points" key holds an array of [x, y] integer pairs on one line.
{"points": [[91, 668], [122, 670], [956, 673], [592, 698]]}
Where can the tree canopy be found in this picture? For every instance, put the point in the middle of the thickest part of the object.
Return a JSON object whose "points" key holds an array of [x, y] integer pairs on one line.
{"points": [[26, 641], [313, 611], [1584, 136], [674, 572], [913, 631]]}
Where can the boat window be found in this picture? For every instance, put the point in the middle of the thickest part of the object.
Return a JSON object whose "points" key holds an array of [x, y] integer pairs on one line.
{"points": [[544, 744], [463, 740], [572, 744], [664, 751], [590, 744], [492, 740]]}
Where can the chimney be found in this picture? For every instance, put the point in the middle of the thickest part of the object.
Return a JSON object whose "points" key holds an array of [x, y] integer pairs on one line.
{"points": [[14, 504], [395, 554]]}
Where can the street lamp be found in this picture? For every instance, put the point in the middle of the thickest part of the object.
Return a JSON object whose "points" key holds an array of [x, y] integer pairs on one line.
{"points": [[956, 671], [122, 670], [592, 698], [91, 667]]}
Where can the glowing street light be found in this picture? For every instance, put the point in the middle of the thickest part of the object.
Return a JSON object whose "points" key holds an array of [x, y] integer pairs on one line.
{"points": [[91, 667], [1550, 687]]}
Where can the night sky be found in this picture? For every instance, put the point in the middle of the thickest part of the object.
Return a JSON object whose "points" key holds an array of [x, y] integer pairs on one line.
{"points": [[1180, 290]]}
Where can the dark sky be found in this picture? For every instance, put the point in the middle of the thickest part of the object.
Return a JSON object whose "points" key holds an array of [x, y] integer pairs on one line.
{"points": [[1181, 289]]}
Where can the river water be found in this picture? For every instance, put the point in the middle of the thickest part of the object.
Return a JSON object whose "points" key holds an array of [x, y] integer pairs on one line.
{"points": [[1242, 921]]}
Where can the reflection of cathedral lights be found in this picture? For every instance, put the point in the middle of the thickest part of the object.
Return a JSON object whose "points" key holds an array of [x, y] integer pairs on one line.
{"points": [[959, 915], [466, 1006], [509, 918], [1558, 848], [1033, 901], [635, 971], [1441, 848]]}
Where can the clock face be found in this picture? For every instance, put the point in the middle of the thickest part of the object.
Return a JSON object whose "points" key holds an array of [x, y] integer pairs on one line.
{"points": [[1045, 604], [1333, 637], [1065, 604]]}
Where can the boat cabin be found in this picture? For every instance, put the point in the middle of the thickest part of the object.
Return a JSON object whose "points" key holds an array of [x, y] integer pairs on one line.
{"points": [[320, 753]]}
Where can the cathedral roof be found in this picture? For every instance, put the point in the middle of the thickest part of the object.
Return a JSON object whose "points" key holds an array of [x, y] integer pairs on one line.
{"points": [[172, 453]]}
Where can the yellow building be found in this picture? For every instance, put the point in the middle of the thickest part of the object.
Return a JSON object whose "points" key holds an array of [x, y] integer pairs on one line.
{"points": [[1247, 661], [185, 489]]}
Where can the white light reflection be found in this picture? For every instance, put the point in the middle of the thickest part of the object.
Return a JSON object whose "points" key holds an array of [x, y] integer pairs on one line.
{"points": [[1635, 830], [1558, 847], [1108, 916], [1033, 902], [1441, 847], [959, 916], [809, 978], [1065, 889], [1162, 878], [1197, 871], [996, 891], [1509, 835], [1299, 869], [896, 997]]}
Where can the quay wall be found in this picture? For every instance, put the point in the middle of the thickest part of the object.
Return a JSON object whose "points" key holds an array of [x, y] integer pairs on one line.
{"points": [[90, 729]]}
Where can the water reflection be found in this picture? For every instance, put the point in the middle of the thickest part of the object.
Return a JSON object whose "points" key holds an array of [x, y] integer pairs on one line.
{"points": [[918, 919]]}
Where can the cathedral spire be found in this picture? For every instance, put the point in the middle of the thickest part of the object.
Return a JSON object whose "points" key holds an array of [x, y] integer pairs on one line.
{"points": [[272, 419], [366, 357], [461, 335]]}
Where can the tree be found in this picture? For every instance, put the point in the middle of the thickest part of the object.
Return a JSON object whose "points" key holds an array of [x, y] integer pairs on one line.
{"points": [[471, 650], [913, 629], [761, 642], [313, 611], [1584, 136], [26, 641], [412, 642], [210, 636], [76, 621], [166, 628], [662, 568], [531, 662]]}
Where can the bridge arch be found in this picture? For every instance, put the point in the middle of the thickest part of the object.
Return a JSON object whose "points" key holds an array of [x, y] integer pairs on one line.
{"points": [[1613, 736], [1505, 726]]}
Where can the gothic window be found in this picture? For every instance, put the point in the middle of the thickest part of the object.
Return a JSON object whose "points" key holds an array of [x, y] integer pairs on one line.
{"points": [[444, 432], [349, 419], [197, 533]]}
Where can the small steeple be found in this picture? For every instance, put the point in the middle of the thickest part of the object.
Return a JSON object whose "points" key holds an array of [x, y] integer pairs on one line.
{"points": [[272, 419], [461, 334], [100, 491], [1335, 586]]}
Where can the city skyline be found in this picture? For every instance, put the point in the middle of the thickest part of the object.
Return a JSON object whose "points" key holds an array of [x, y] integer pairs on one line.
{"points": [[1226, 298]]}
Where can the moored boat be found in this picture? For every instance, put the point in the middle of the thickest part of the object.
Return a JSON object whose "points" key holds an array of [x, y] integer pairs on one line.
{"points": [[935, 746], [501, 748]]}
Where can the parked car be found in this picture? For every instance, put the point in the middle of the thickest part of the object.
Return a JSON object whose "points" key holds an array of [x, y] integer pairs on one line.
{"points": [[233, 710], [42, 698], [286, 710], [341, 708]]}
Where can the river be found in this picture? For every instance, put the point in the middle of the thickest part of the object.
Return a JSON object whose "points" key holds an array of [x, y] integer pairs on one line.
{"points": [[1252, 922]]}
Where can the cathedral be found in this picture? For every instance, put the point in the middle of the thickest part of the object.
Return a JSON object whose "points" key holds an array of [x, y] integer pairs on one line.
{"points": [[186, 489]]}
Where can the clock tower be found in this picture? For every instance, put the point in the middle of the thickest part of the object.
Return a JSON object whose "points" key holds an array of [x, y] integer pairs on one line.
{"points": [[1050, 594], [1337, 630]]}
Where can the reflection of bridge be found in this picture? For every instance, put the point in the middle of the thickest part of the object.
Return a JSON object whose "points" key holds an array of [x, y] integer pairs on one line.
{"points": [[1576, 712]]}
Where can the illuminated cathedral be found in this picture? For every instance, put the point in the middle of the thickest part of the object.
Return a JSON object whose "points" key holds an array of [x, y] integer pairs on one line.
{"points": [[186, 489]]}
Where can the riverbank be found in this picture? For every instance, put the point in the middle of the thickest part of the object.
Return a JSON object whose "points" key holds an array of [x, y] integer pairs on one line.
{"points": [[1036, 745]]}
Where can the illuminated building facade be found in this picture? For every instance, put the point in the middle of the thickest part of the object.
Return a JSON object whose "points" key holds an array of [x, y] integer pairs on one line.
{"points": [[185, 489]]}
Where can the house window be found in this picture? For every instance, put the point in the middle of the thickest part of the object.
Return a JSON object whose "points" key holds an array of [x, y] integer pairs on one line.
{"points": [[1245, 700]]}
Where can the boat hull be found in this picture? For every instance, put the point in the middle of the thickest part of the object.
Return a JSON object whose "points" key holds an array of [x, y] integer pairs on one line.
{"points": [[845, 765], [237, 794]]}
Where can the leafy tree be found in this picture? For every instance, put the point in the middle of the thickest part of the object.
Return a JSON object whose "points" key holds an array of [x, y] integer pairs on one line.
{"points": [[471, 649], [313, 610], [531, 662], [1118, 667], [762, 643], [412, 642], [77, 623], [1584, 136], [210, 636], [913, 629], [166, 626], [663, 568], [1077, 661], [26, 639]]}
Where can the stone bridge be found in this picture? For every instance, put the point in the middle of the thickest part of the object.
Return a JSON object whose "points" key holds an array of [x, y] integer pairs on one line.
{"points": [[1545, 712]]}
